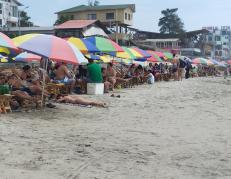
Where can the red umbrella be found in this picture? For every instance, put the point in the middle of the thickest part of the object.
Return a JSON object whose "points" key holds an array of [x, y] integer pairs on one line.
{"points": [[51, 47], [229, 62]]}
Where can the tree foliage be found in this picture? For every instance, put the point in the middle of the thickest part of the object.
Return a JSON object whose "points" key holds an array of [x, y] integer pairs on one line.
{"points": [[63, 18], [93, 3], [171, 23], [25, 20]]}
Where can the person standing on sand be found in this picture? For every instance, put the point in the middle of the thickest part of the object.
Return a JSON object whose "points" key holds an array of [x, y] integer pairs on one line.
{"points": [[94, 72], [182, 65], [111, 75], [175, 67]]}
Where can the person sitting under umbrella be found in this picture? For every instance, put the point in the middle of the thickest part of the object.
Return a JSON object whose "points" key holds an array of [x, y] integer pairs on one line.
{"points": [[63, 75]]}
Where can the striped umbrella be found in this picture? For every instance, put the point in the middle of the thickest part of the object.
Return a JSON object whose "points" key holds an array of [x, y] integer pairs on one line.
{"points": [[93, 57], [83, 45], [128, 53], [143, 53], [168, 55], [100, 58], [159, 54], [3, 59], [154, 58], [27, 57], [228, 62], [5, 41], [105, 45], [201, 61], [51, 47]]}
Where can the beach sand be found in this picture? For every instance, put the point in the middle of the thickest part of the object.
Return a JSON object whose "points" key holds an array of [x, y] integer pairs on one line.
{"points": [[172, 130]]}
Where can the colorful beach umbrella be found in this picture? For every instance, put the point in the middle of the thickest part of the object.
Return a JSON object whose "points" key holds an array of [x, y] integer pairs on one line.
{"points": [[201, 61], [128, 53], [105, 45], [228, 62], [51, 47], [168, 55], [83, 45], [100, 58], [154, 58], [5, 41], [143, 53], [159, 54], [93, 57], [27, 57]]}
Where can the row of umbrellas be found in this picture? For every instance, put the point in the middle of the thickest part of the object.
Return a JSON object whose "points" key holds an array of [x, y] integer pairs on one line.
{"points": [[74, 50], [71, 50]]}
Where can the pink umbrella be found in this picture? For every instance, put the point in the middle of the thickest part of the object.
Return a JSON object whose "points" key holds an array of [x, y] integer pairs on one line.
{"points": [[51, 47], [27, 57]]}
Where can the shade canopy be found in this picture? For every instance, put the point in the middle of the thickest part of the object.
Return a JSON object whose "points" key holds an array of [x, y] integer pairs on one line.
{"points": [[168, 55], [154, 58], [5, 41], [27, 57], [228, 62], [105, 45], [128, 53], [51, 47], [201, 61], [143, 53], [83, 45]]}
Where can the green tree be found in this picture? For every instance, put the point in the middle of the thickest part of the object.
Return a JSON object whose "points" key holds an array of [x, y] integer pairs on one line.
{"points": [[171, 23], [25, 20], [63, 18]]}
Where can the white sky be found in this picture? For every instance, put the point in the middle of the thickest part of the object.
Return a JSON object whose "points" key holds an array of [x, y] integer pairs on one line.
{"points": [[194, 13]]}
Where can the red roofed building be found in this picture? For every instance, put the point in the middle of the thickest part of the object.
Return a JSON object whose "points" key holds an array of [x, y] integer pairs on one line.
{"points": [[81, 28]]}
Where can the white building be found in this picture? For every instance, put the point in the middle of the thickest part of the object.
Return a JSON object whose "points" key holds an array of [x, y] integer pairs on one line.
{"points": [[9, 13], [220, 39]]}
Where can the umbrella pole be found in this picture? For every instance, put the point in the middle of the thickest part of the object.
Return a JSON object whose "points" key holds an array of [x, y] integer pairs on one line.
{"points": [[44, 81], [121, 67]]}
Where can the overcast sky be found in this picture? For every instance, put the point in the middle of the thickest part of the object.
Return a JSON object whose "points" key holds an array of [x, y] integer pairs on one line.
{"points": [[194, 13]]}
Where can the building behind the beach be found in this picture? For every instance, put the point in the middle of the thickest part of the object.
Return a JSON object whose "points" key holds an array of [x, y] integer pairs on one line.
{"points": [[220, 39], [9, 13], [117, 18]]}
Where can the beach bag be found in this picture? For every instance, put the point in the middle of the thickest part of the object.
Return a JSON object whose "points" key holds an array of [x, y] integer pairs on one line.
{"points": [[4, 89], [182, 63]]}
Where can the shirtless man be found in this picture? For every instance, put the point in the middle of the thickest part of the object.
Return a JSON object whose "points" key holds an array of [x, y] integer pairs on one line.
{"points": [[175, 67], [63, 76], [111, 75], [75, 99]]}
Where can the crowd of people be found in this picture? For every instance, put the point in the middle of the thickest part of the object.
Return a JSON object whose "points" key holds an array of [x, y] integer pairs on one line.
{"points": [[27, 83]]}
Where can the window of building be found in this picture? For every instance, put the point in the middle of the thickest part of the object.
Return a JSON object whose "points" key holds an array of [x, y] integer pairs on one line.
{"points": [[0, 8], [0, 22], [210, 38], [217, 38], [92, 17], [126, 15], [129, 16], [110, 16], [15, 11]]}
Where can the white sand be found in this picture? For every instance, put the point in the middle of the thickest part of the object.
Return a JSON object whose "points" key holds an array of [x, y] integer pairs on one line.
{"points": [[173, 130]]}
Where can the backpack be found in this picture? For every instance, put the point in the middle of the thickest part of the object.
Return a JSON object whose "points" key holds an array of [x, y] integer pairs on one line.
{"points": [[182, 63]]}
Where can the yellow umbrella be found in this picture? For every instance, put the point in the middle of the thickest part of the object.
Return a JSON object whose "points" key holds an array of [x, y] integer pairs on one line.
{"points": [[4, 50], [129, 53], [106, 58]]}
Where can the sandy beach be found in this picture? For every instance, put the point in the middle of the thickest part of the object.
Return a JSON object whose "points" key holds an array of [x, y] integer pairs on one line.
{"points": [[172, 130]]}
